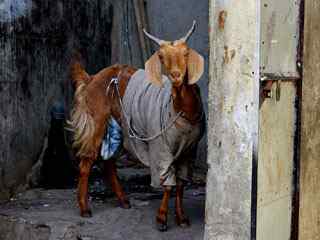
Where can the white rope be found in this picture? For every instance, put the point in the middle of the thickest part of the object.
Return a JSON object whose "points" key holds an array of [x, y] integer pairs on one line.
{"points": [[131, 131]]}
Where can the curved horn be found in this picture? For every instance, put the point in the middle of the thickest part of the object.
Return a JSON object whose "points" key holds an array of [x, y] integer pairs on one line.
{"points": [[153, 38], [185, 38]]}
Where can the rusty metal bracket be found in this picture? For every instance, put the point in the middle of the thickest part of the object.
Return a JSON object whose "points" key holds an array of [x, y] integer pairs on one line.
{"points": [[266, 90], [266, 87], [276, 77], [267, 81]]}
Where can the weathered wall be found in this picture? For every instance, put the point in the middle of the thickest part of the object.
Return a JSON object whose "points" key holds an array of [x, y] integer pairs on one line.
{"points": [[277, 125], [310, 134], [280, 30], [233, 117], [125, 43], [170, 20], [279, 37], [36, 41]]}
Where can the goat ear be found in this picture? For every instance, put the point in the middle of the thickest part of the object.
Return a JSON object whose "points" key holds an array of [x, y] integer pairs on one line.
{"points": [[195, 66], [153, 69]]}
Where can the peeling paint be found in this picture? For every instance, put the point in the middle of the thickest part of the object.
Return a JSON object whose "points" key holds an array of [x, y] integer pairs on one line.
{"points": [[233, 118]]}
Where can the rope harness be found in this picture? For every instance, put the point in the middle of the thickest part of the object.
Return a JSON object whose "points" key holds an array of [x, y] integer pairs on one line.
{"points": [[131, 132]]}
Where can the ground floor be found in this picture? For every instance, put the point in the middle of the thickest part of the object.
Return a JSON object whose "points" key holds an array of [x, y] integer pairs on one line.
{"points": [[53, 214]]}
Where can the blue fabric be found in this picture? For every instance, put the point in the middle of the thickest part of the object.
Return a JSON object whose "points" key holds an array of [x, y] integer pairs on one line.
{"points": [[112, 140]]}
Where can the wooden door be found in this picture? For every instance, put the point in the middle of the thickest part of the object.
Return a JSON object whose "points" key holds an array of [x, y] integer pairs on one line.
{"points": [[278, 118]]}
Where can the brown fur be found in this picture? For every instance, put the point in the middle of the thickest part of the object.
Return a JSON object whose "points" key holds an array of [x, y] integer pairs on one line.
{"points": [[184, 67], [93, 107]]}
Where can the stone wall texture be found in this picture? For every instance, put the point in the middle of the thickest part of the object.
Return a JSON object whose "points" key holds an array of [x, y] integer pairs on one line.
{"points": [[233, 118], [36, 42]]}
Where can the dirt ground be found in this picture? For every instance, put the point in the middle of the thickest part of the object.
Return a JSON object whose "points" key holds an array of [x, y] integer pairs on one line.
{"points": [[53, 214]]}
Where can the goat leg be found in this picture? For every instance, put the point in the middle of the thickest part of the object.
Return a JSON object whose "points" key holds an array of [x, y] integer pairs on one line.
{"points": [[85, 167], [162, 216], [181, 219], [112, 177]]}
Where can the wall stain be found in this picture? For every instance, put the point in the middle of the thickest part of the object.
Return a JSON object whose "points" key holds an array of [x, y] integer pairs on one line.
{"points": [[222, 19], [226, 58], [228, 55], [232, 53]]}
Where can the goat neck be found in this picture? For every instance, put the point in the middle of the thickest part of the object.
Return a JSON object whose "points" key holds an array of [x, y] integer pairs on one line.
{"points": [[186, 99]]}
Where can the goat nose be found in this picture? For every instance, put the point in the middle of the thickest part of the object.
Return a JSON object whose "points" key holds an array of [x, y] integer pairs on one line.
{"points": [[175, 74]]}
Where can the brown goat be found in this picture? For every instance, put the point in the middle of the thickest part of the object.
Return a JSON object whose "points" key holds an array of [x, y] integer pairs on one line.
{"points": [[94, 106]]}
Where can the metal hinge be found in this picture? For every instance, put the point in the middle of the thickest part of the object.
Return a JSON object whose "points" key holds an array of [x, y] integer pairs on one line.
{"points": [[267, 92], [268, 79]]}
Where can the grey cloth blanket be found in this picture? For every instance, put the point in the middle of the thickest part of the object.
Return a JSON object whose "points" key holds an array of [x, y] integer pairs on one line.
{"points": [[149, 110]]}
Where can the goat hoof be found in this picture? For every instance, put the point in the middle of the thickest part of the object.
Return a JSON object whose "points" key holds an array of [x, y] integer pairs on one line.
{"points": [[183, 222], [162, 227], [125, 204], [86, 214]]}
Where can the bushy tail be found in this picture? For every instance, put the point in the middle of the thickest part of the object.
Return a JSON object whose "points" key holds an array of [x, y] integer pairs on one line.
{"points": [[81, 121], [77, 72]]}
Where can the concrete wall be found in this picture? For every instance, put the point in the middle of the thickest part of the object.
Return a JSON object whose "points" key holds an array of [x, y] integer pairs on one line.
{"points": [[125, 43], [310, 135], [36, 41], [233, 118]]}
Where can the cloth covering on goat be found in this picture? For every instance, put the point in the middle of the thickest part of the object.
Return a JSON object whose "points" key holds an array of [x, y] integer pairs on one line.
{"points": [[149, 110], [111, 143]]}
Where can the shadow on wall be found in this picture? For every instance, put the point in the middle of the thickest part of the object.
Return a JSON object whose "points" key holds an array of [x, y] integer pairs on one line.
{"points": [[36, 42]]}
